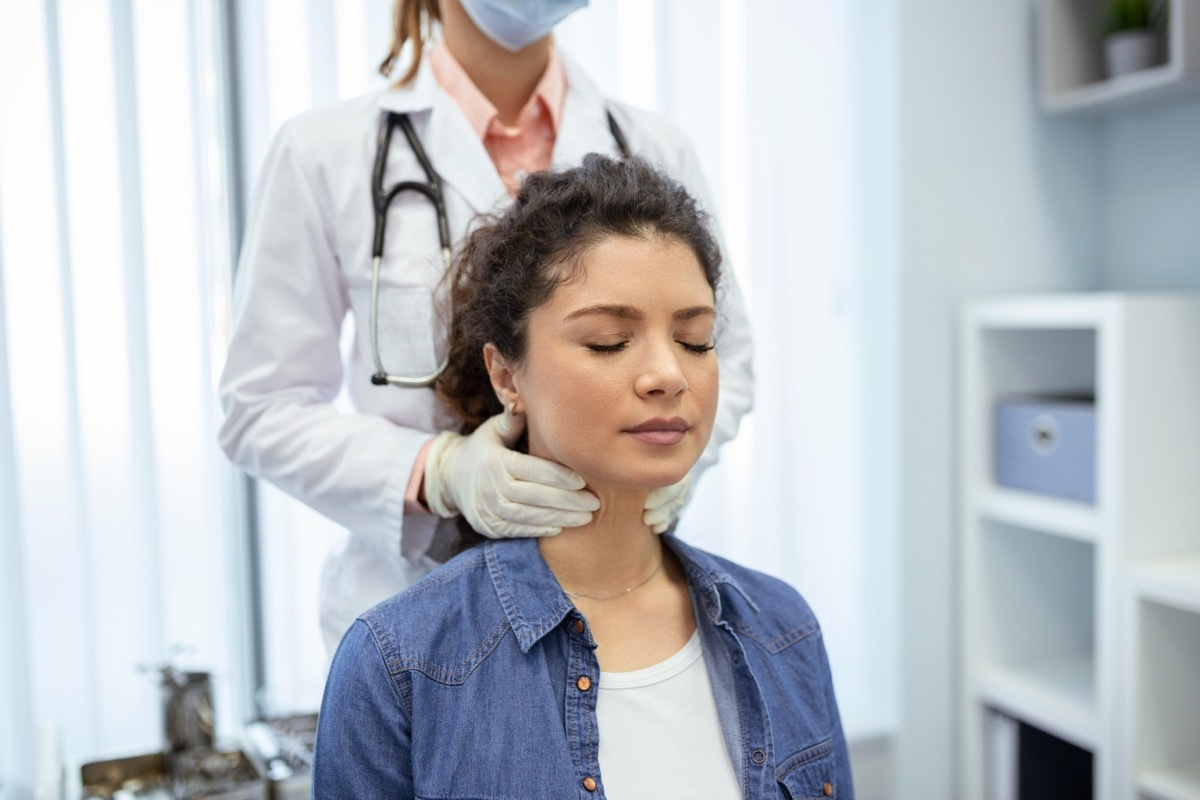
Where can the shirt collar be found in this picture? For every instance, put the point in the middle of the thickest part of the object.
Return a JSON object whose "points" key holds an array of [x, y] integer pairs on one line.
{"points": [[550, 92], [535, 604]]}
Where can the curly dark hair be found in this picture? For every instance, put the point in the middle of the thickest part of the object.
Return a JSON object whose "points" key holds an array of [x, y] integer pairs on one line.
{"points": [[512, 264]]}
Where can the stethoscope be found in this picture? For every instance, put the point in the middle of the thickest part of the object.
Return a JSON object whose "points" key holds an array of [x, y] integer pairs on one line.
{"points": [[432, 189]]}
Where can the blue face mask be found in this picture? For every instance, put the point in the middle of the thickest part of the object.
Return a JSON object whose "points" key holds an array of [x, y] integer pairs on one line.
{"points": [[515, 24]]}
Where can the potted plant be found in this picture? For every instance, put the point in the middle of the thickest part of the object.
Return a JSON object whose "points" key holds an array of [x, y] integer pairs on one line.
{"points": [[1131, 33]]}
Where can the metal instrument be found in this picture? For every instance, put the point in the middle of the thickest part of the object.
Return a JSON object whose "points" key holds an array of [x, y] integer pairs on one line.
{"points": [[282, 750]]}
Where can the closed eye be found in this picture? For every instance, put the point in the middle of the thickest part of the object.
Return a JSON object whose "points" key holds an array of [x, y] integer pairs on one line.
{"points": [[619, 346], [607, 348]]}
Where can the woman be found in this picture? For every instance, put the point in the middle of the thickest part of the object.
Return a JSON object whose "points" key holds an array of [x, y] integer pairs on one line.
{"points": [[488, 102], [607, 661]]}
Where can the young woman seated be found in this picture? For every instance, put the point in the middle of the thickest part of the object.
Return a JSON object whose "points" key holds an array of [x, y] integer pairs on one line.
{"points": [[606, 661]]}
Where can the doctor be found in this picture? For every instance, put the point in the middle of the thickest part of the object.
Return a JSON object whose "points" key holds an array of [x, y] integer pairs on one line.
{"points": [[471, 115]]}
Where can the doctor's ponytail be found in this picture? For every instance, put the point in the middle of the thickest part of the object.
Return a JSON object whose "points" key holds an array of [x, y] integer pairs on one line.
{"points": [[412, 20]]}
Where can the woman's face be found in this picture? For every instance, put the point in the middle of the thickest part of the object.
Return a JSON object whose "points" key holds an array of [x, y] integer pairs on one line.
{"points": [[619, 381]]}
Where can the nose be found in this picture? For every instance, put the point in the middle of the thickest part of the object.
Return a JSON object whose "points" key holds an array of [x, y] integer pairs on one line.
{"points": [[661, 372]]}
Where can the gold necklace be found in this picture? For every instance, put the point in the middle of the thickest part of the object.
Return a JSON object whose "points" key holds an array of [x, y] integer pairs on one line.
{"points": [[622, 593]]}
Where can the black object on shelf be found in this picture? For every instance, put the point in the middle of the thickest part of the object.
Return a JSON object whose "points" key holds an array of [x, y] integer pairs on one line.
{"points": [[1051, 768]]}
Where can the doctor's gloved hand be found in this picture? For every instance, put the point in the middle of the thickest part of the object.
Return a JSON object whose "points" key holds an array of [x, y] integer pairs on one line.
{"points": [[664, 505], [501, 492]]}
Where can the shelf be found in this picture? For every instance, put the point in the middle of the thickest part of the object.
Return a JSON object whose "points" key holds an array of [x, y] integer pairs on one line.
{"points": [[1169, 580], [1126, 90], [1068, 311], [1167, 716], [1038, 513], [1171, 784], [1074, 78], [1056, 696]]}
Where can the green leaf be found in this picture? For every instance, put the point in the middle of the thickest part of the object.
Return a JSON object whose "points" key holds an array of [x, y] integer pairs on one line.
{"points": [[1134, 15]]}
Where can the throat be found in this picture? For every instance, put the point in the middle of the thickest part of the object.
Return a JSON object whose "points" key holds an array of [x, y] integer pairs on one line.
{"points": [[615, 554]]}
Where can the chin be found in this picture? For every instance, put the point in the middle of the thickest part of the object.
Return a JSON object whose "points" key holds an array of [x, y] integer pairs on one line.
{"points": [[624, 465], [638, 475]]}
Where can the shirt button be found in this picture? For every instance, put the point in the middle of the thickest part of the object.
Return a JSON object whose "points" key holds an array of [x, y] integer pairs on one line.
{"points": [[579, 626], [584, 683], [589, 784], [758, 756], [828, 789]]}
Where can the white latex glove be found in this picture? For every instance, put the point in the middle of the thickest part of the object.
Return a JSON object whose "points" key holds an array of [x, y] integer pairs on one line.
{"points": [[501, 492], [663, 505]]}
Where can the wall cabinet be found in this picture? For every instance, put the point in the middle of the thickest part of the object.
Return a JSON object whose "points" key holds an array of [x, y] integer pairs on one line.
{"points": [[1070, 59], [1084, 620]]}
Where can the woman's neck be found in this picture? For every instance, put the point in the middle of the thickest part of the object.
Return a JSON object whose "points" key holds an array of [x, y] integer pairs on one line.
{"points": [[505, 78], [614, 552]]}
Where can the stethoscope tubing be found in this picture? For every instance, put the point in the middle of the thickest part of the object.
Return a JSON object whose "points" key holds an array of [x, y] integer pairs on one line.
{"points": [[382, 201], [432, 189]]}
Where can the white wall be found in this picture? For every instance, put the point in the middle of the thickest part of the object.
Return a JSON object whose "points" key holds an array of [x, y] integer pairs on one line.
{"points": [[993, 197], [1150, 202]]}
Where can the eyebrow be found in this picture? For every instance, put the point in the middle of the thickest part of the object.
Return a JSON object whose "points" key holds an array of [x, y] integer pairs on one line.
{"points": [[630, 312]]}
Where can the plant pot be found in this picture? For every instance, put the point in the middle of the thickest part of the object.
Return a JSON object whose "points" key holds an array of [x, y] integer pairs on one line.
{"points": [[1130, 51]]}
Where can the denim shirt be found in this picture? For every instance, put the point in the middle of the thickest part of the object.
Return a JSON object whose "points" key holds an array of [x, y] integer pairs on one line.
{"points": [[465, 686]]}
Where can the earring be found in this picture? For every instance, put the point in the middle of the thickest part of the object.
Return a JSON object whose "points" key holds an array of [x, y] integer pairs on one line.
{"points": [[512, 408]]}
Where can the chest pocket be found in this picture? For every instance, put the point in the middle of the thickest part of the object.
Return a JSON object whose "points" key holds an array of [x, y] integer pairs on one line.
{"points": [[412, 329], [810, 774]]}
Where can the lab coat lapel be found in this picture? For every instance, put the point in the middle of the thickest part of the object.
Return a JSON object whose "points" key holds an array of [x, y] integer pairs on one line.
{"points": [[455, 151], [584, 125], [460, 158]]}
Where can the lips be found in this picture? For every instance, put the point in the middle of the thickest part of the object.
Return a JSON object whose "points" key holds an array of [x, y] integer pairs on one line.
{"points": [[660, 431]]}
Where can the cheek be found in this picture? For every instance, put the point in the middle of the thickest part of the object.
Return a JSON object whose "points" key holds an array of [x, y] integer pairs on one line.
{"points": [[704, 384], [566, 397]]}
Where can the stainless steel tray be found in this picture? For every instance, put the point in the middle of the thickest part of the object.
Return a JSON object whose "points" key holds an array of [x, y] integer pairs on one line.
{"points": [[141, 777], [204, 774], [197, 774]]}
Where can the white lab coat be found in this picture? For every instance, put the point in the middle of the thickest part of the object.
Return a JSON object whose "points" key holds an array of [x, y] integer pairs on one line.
{"points": [[306, 262]]}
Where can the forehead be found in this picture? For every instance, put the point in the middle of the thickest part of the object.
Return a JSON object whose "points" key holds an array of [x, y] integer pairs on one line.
{"points": [[659, 271]]}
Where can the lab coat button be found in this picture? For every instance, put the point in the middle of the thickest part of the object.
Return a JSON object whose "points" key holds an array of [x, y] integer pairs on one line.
{"points": [[589, 784], [584, 683], [758, 756]]}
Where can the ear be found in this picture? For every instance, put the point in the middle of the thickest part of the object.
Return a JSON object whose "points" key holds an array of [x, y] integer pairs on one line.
{"points": [[503, 376]]}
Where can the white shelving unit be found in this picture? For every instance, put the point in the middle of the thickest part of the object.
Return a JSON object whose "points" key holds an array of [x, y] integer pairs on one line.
{"points": [[1071, 57], [1163, 616], [1073, 614]]}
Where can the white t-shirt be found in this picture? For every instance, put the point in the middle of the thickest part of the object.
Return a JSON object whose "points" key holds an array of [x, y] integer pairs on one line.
{"points": [[660, 736]]}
